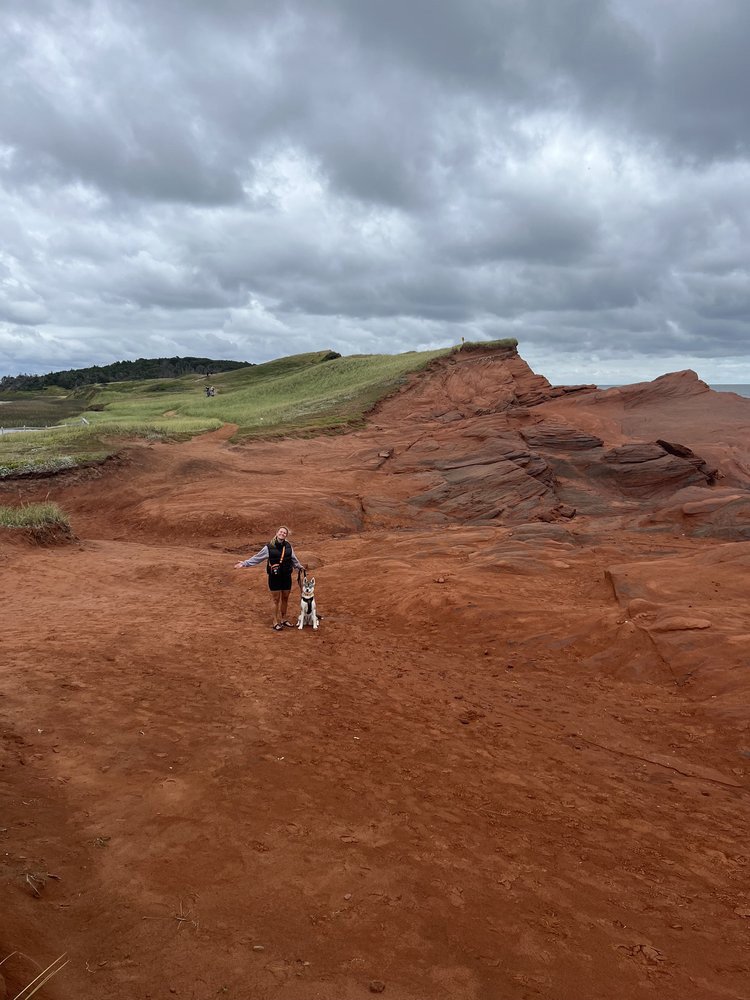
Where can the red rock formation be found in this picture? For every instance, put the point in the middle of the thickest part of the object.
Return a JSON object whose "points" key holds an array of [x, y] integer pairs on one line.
{"points": [[649, 470], [507, 453]]}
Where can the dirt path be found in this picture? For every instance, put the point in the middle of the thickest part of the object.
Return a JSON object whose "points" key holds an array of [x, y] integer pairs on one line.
{"points": [[437, 803]]}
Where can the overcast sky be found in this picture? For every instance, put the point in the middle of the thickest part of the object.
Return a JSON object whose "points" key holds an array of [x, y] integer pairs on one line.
{"points": [[253, 178]]}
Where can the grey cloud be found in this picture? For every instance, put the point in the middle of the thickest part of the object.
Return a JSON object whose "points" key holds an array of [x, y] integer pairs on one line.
{"points": [[373, 176], [26, 313], [524, 227], [113, 123], [698, 99], [726, 297], [144, 282]]}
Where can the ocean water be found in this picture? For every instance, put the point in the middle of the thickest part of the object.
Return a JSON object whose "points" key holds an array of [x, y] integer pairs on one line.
{"points": [[741, 390]]}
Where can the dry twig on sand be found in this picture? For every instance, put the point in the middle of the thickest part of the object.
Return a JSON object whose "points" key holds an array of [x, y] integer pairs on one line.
{"points": [[42, 979], [184, 917]]}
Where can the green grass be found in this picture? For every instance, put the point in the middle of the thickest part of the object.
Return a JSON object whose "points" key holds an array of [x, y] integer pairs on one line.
{"points": [[303, 393], [309, 397], [481, 345], [33, 515], [68, 446]]}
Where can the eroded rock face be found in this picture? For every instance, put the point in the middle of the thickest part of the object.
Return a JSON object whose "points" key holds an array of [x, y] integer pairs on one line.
{"points": [[723, 513], [673, 385], [648, 469], [677, 407], [559, 437], [478, 477], [470, 384], [682, 451], [494, 447]]}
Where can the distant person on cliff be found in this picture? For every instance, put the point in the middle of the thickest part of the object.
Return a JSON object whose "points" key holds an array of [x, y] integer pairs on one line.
{"points": [[280, 559]]}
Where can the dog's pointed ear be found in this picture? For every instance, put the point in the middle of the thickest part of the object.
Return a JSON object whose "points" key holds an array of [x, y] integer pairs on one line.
{"points": [[311, 581]]}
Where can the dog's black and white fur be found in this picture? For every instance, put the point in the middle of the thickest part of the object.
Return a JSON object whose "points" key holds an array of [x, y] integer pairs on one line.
{"points": [[307, 612]]}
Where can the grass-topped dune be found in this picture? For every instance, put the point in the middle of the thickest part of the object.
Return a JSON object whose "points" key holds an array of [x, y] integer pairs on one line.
{"points": [[304, 393], [40, 523], [33, 515]]}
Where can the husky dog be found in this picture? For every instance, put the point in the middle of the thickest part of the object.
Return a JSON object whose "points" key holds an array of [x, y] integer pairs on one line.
{"points": [[307, 612]]}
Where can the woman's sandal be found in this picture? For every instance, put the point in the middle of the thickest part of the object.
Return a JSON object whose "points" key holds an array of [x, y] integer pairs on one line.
{"points": [[278, 628], [288, 625]]}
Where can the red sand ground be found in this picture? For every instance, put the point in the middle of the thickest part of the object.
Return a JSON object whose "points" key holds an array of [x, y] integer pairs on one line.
{"points": [[513, 763]]}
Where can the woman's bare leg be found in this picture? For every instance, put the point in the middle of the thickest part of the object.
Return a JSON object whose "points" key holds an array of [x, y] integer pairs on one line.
{"points": [[284, 602], [276, 595]]}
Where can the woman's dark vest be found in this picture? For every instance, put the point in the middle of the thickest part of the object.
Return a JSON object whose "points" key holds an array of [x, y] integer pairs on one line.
{"points": [[275, 556]]}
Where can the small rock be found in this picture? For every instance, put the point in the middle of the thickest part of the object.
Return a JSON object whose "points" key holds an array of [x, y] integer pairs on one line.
{"points": [[439, 579], [347, 895], [647, 954], [638, 606], [377, 986], [680, 623], [258, 947], [471, 715]]}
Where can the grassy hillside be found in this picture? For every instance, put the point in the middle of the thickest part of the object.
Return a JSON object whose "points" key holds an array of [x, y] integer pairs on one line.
{"points": [[301, 393]]}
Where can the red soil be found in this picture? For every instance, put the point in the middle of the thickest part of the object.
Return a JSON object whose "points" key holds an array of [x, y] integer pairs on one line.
{"points": [[513, 763]]}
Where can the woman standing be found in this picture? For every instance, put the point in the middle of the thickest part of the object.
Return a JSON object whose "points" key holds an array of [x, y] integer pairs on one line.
{"points": [[280, 559]]}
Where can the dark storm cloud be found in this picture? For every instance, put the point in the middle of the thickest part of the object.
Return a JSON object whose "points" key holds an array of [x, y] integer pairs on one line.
{"points": [[256, 178], [701, 76]]}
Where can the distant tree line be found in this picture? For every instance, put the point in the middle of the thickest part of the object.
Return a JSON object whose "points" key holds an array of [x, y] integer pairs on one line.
{"points": [[120, 371]]}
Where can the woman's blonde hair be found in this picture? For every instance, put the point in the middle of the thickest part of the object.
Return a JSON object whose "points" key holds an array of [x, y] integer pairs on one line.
{"points": [[280, 528]]}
